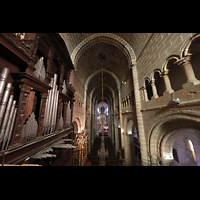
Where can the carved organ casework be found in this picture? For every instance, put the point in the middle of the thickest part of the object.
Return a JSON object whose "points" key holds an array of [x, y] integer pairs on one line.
{"points": [[35, 96]]}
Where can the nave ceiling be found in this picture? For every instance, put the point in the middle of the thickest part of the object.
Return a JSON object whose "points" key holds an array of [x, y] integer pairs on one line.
{"points": [[86, 60]]}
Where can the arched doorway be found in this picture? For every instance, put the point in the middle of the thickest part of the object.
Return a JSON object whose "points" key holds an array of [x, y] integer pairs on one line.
{"points": [[182, 147], [132, 145], [175, 141], [75, 125]]}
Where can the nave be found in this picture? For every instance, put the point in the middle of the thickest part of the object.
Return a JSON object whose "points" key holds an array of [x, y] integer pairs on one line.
{"points": [[93, 158], [59, 90]]}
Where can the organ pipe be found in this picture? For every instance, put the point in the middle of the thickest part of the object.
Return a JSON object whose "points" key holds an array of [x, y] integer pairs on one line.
{"points": [[30, 129], [51, 107], [9, 124], [3, 77], [7, 110]]}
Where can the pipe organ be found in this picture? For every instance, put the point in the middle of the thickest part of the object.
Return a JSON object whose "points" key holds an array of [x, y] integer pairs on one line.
{"points": [[51, 107], [7, 110], [40, 73], [30, 129], [35, 95]]}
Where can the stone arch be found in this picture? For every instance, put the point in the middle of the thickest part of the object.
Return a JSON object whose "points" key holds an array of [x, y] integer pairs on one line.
{"points": [[175, 72], [107, 38], [186, 48], [75, 125], [193, 49], [167, 144], [165, 65], [162, 135], [159, 82], [99, 71], [130, 127], [91, 93], [78, 122]]}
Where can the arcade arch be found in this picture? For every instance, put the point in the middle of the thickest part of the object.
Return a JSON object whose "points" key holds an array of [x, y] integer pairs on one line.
{"points": [[173, 130]]}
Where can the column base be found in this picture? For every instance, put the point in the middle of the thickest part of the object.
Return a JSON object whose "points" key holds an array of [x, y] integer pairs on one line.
{"points": [[191, 83], [168, 92]]}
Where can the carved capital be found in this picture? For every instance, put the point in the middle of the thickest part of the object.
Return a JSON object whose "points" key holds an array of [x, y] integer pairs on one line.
{"points": [[132, 64], [184, 61], [25, 88]]}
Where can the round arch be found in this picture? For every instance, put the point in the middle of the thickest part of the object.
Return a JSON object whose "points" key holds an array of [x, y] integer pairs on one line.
{"points": [[107, 38], [75, 125], [99, 71], [169, 59], [163, 135], [130, 127], [91, 93], [78, 122], [186, 50]]}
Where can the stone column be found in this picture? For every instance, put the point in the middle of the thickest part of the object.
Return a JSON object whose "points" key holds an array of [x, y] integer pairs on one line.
{"points": [[129, 150], [143, 143], [168, 87], [85, 104], [145, 93], [120, 115], [155, 94], [116, 132], [189, 72]]}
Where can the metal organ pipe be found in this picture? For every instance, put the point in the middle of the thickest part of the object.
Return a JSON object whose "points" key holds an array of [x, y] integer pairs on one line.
{"points": [[51, 107], [7, 132], [7, 110], [3, 77], [4, 101], [47, 109], [3, 127]]}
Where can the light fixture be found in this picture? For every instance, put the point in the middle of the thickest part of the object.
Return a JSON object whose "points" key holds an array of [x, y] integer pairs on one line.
{"points": [[168, 157], [175, 101], [102, 57], [129, 132]]}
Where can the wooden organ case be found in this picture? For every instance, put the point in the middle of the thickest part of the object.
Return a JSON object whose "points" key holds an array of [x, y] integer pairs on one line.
{"points": [[34, 93]]}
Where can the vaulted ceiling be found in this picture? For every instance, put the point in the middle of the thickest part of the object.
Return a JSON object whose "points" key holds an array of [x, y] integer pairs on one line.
{"points": [[86, 49]]}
